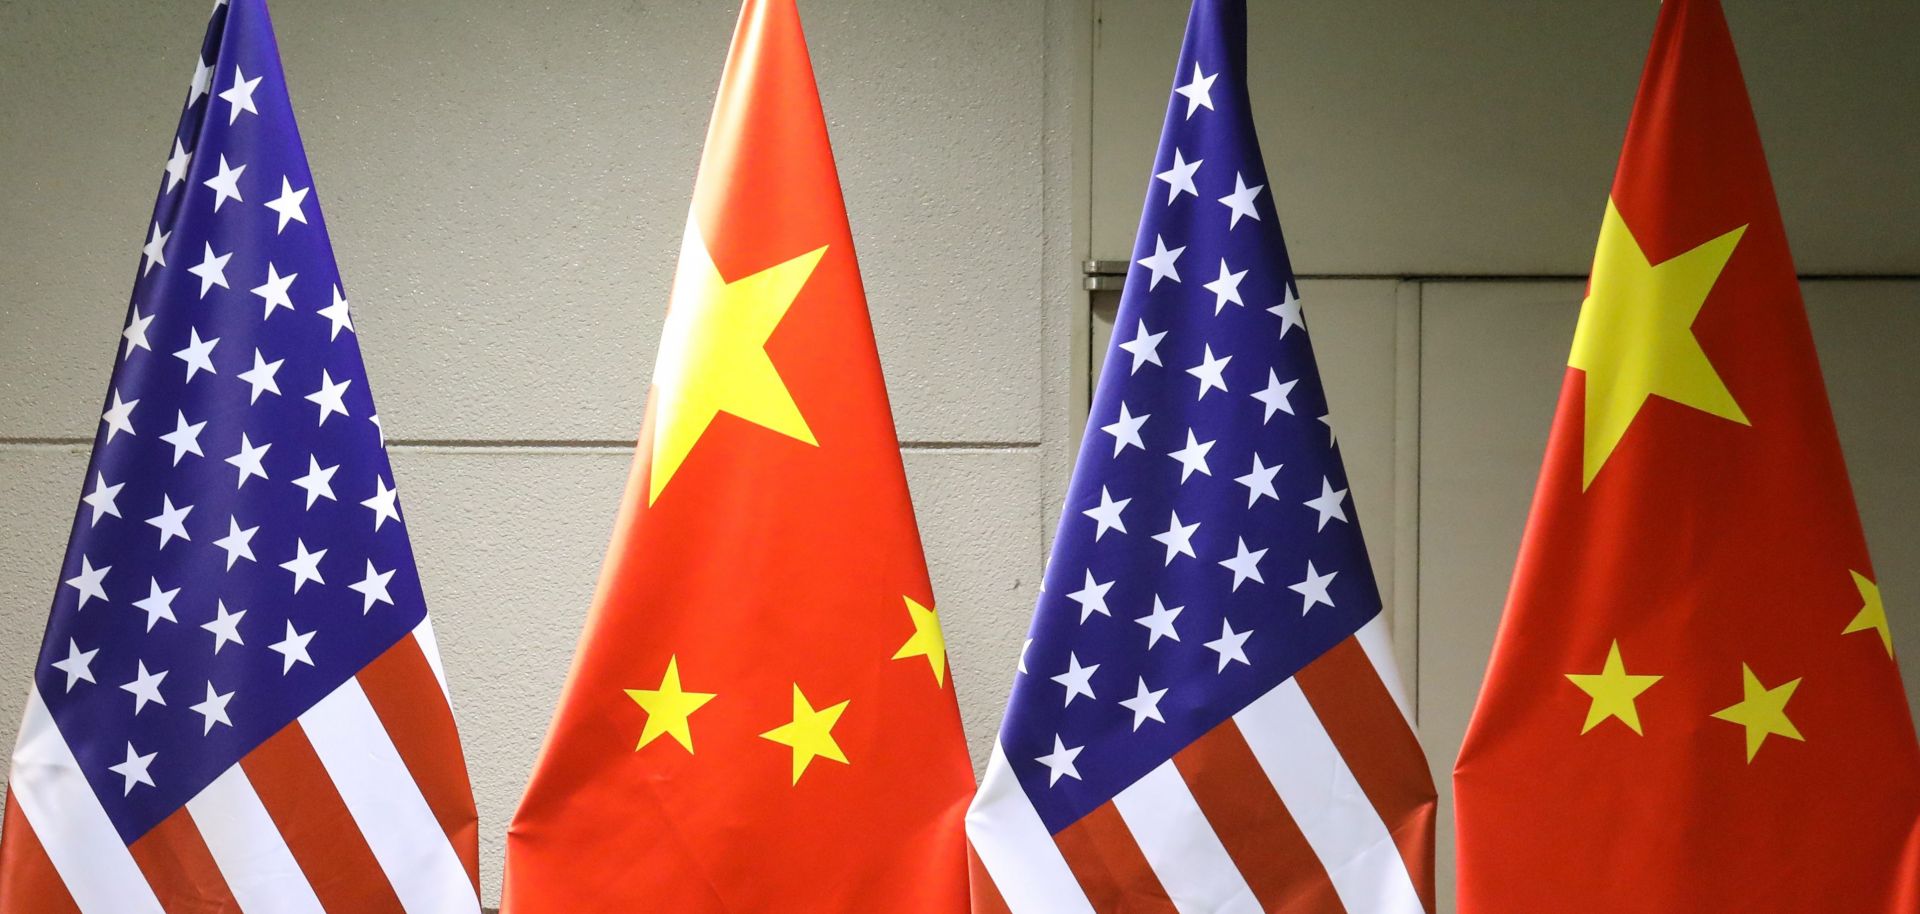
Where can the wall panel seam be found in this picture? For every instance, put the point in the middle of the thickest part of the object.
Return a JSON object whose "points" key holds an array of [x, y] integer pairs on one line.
{"points": [[1406, 480]]}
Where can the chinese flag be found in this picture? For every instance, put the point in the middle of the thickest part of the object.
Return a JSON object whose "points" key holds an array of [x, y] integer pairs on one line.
{"points": [[758, 717], [1693, 703]]}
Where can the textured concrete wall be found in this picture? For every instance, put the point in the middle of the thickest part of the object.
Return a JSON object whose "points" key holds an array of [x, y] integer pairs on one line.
{"points": [[1478, 137], [506, 183]]}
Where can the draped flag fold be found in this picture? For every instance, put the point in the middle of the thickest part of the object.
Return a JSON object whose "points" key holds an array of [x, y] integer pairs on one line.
{"points": [[238, 704], [759, 716], [1207, 715], [1692, 703]]}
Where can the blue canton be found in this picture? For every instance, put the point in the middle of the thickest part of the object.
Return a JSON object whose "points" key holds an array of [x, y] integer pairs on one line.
{"points": [[238, 553], [1209, 549]]}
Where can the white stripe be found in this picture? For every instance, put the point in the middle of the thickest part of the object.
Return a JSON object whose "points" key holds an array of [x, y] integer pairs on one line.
{"points": [[387, 804], [430, 646], [71, 824], [1376, 639], [1016, 848], [1327, 803], [1182, 847], [248, 848]]}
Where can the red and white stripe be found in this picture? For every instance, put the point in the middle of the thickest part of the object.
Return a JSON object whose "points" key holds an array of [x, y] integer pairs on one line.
{"points": [[1314, 798], [360, 805]]}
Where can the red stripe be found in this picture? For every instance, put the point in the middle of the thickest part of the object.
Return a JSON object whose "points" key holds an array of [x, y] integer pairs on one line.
{"points": [[1109, 866], [176, 862], [1254, 825], [28, 881], [300, 798], [1380, 749], [986, 895], [406, 695]]}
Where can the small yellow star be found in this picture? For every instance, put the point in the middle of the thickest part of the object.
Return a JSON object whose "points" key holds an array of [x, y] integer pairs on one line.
{"points": [[1762, 711], [1635, 336], [668, 708], [927, 640], [713, 357], [1613, 690], [1872, 614], [810, 735]]}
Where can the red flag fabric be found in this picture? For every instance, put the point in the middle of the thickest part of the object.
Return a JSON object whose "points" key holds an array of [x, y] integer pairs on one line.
{"points": [[1693, 703], [758, 717]]}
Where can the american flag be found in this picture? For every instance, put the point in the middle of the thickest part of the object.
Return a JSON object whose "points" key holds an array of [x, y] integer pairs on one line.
{"points": [[238, 703], [1206, 716]]}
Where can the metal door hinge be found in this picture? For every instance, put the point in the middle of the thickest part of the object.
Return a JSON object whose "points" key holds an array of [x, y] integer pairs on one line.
{"points": [[1105, 275]]}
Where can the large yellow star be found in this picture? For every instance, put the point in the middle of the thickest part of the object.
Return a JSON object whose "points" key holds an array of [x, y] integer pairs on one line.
{"points": [[810, 735], [1872, 614], [668, 708], [1762, 711], [1635, 336], [713, 355], [927, 640], [1613, 690]]}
